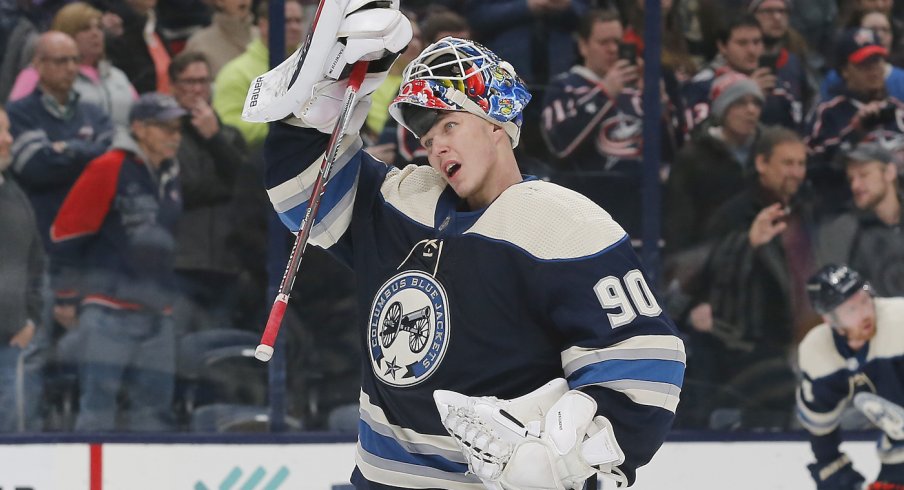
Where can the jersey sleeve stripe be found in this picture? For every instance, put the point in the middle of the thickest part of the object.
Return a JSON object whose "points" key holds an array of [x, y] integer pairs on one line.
{"points": [[25, 147], [818, 423], [339, 196], [655, 370], [331, 227], [604, 355], [662, 395], [297, 190], [376, 443], [394, 473], [663, 347], [414, 441]]}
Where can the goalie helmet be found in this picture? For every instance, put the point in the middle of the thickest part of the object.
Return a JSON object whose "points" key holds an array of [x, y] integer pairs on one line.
{"points": [[832, 285], [459, 75]]}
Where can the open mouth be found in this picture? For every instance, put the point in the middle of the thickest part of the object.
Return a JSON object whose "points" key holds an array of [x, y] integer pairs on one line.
{"points": [[452, 169]]}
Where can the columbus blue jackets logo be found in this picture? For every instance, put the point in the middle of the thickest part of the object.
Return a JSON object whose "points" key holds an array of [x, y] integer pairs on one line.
{"points": [[408, 331], [619, 138]]}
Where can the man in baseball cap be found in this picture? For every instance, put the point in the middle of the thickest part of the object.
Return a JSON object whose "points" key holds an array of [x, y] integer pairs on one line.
{"points": [[857, 46], [122, 260], [861, 106], [155, 126], [155, 106]]}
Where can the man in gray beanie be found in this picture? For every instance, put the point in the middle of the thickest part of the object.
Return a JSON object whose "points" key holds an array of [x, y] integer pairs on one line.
{"points": [[732, 88], [712, 167]]}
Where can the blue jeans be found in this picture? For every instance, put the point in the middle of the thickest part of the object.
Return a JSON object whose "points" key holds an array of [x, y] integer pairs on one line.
{"points": [[128, 351], [20, 383]]}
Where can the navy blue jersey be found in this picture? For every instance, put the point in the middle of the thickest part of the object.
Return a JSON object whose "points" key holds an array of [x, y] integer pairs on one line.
{"points": [[832, 373], [832, 130], [540, 284], [590, 132], [784, 105], [832, 126]]}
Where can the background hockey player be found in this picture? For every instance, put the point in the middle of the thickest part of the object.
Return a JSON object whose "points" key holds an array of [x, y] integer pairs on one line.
{"points": [[472, 278], [856, 354]]}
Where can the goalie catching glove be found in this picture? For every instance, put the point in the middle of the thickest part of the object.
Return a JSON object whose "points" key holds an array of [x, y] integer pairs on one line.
{"points": [[550, 438], [311, 83]]}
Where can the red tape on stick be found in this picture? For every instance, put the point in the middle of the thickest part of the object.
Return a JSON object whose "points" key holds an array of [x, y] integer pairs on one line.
{"points": [[264, 351]]}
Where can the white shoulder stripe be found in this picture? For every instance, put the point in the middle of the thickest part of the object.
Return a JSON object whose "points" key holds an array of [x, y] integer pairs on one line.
{"points": [[663, 347], [561, 224], [414, 191]]}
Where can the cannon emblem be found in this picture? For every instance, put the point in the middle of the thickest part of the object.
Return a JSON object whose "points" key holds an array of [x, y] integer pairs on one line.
{"points": [[416, 323]]}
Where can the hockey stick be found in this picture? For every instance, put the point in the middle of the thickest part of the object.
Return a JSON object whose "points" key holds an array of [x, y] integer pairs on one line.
{"points": [[265, 350]]}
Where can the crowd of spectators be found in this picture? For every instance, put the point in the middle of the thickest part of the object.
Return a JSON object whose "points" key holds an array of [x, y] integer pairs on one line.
{"points": [[136, 223]]}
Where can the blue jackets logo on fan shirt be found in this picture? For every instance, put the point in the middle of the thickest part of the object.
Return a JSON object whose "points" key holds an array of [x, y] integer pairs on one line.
{"points": [[409, 329]]}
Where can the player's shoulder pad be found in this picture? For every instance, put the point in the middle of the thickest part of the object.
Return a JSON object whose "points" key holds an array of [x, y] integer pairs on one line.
{"points": [[817, 354], [549, 222], [889, 339], [414, 191]]}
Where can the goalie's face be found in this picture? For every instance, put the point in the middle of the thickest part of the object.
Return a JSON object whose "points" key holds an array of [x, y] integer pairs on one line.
{"points": [[855, 319], [466, 150]]}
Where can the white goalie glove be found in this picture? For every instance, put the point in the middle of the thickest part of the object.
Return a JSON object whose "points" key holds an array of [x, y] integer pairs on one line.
{"points": [[550, 438], [311, 83]]}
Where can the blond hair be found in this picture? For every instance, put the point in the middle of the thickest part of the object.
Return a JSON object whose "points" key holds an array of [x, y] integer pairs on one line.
{"points": [[74, 18]]}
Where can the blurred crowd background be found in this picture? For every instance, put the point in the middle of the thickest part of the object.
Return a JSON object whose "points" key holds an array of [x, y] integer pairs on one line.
{"points": [[134, 220]]}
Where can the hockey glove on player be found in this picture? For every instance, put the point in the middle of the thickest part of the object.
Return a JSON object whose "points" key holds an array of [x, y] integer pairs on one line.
{"points": [[889, 417], [836, 475], [347, 31], [509, 448]]}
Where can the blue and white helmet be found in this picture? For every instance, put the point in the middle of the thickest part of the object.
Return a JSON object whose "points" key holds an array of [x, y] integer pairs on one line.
{"points": [[459, 75]]}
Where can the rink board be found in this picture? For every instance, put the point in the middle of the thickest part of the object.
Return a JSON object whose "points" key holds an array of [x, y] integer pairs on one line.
{"points": [[774, 465]]}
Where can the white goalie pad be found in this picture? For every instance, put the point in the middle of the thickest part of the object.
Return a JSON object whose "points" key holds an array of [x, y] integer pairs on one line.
{"points": [[369, 34], [557, 443]]}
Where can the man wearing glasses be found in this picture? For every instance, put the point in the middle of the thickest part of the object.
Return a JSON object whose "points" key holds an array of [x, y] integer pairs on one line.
{"points": [[212, 160], [56, 136], [783, 55]]}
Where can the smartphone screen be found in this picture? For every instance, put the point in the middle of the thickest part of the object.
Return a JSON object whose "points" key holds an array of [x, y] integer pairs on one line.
{"points": [[769, 61], [628, 51]]}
